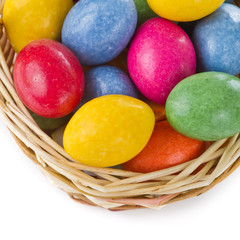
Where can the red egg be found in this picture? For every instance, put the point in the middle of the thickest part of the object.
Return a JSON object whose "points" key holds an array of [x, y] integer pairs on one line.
{"points": [[48, 78]]}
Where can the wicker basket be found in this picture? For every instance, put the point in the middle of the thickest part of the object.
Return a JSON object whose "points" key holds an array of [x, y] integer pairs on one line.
{"points": [[109, 188]]}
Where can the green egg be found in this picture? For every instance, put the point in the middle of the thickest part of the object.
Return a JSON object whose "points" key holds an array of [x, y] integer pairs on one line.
{"points": [[49, 123], [144, 11], [205, 106]]}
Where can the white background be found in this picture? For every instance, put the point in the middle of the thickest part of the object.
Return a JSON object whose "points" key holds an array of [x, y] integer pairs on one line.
{"points": [[31, 209]]}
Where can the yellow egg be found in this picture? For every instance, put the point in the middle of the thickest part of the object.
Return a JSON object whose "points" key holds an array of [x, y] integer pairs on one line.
{"points": [[184, 10], [109, 130], [27, 20]]}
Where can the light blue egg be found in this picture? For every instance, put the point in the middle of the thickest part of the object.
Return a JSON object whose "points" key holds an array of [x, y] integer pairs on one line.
{"points": [[107, 80], [97, 31], [217, 41]]}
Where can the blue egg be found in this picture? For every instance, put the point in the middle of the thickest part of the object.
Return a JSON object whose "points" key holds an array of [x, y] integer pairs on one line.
{"points": [[217, 41], [229, 1], [97, 31], [107, 80]]}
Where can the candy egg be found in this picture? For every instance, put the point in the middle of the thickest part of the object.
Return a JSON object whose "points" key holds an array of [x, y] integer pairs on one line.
{"points": [[57, 135], [106, 80], [205, 106], [166, 148], [184, 10], [216, 40], [144, 11], [159, 110], [188, 27], [160, 55], [48, 124], [120, 61], [48, 78], [98, 31], [29, 20], [109, 130]]}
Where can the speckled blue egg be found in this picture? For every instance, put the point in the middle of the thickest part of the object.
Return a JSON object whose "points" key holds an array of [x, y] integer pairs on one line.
{"points": [[97, 31], [107, 80], [217, 41]]}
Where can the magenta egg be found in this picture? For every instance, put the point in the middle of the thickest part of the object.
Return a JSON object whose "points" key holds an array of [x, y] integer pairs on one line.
{"points": [[160, 56]]}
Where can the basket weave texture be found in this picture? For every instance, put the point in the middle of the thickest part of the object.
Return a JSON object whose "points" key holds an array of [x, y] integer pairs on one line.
{"points": [[109, 188]]}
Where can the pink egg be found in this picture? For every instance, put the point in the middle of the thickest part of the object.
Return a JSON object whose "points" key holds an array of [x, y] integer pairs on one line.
{"points": [[160, 56]]}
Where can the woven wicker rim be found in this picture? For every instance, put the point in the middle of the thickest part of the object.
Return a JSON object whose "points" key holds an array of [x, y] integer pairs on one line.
{"points": [[109, 188]]}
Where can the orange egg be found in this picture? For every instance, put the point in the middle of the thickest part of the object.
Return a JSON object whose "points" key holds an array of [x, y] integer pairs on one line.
{"points": [[166, 148], [120, 62], [159, 111]]}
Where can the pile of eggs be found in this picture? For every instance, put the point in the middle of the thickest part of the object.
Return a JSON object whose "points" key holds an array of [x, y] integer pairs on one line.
{"points": [[144, 83]]}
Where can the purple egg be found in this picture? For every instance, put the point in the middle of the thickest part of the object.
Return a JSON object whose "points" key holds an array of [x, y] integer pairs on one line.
{"points": [[160, 56]]}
